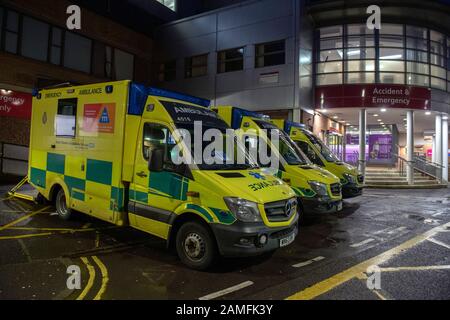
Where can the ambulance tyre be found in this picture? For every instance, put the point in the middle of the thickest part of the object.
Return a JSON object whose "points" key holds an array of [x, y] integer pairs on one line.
{"points": [[196, 246], [63, 211]]}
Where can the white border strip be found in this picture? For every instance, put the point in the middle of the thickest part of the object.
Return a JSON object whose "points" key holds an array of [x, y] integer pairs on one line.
{"points": [[227, 291]]}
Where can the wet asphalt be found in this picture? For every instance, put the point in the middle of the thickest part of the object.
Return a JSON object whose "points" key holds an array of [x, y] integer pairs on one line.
{"points": [[122, 263]]}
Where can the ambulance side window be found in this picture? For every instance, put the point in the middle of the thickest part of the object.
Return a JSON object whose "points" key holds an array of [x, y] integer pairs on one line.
{"points": [[157, 136], [66, 118], [306, 148]]}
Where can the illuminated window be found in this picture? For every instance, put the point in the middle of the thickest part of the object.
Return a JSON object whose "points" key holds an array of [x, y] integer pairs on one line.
{"points": [[270, 54], [171, 4], [196, 66], [66, 118], [230, 60], [396, 54]]}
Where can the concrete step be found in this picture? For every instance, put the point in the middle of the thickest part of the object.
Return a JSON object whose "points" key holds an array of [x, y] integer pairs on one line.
{"points": [[402, 186], [388, 176], [396, 178], [398, 182]]}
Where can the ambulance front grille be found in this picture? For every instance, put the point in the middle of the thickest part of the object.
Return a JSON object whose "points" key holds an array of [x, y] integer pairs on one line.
{"points": [[336, 189], [281, 210]]}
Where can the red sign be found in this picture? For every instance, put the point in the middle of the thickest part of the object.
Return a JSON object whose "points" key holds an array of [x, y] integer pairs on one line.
{"points": [[99, 117], [372, 96], [15, 104]]}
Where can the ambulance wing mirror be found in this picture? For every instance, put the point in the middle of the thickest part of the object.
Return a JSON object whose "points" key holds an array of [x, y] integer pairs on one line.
{"points": [[156, 160]]}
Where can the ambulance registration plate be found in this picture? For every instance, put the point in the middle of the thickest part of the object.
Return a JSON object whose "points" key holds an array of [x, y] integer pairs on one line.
{"points": [[288, 240]]}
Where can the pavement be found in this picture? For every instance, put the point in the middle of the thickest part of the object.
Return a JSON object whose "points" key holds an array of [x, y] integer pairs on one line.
{"points": [[386, 244]]}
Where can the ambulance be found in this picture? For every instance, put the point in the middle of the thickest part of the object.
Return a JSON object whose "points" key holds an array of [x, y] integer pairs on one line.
{"points": [[110, 150], [352, 181], [318, 190]]}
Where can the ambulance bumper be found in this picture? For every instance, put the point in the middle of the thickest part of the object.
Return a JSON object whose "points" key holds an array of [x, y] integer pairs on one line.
{"points": [[244, 239]]}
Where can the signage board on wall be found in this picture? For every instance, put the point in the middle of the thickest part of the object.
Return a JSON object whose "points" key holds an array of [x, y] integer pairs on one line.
{"points": [[15, 104], [373, 96]]}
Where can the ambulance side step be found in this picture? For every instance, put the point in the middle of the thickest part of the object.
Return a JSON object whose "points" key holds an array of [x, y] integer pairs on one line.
{"points": [[15, 194]]}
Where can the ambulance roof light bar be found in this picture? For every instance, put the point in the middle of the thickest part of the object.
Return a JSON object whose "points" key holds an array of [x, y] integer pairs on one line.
{"points": [[140, 92], [290, 124], [239, 114]]}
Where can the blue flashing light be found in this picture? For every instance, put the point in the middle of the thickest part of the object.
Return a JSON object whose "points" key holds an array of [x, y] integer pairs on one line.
{"points": [[288, 125], [179, 96], [139, 94], [239, 114], [35, 92], [137, 100]]}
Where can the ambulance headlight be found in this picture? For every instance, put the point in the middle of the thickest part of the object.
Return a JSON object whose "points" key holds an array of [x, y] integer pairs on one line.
{"points": [[349, 178], [243, 210], [319, 188]]}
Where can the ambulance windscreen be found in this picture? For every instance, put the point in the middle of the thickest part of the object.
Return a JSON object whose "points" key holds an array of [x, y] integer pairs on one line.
{"points": [[193, 121]]}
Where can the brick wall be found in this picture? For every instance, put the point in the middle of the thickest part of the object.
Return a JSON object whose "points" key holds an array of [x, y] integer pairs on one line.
{"points": [[24, 72], [17, 71]]}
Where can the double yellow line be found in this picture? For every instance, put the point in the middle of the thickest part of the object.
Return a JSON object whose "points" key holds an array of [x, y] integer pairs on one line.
{"points": [[92, 275], [25, 217], [89, 266]]}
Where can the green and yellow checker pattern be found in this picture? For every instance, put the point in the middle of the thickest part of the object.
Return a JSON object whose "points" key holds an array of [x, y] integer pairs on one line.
{"points": [[299, 191], [86, 179], [168, 187]]}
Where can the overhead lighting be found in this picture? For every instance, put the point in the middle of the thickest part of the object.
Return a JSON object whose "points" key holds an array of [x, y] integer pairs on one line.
{"points": [[382, 123], [445, 118], [353, 52], [379, 120], [383, 110], [428, 113], [394, 56], [335, 117], [375, 115], [323, 110]]}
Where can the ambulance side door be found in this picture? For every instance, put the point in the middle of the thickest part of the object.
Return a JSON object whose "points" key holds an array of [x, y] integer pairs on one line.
{"points": [[155, 195]]}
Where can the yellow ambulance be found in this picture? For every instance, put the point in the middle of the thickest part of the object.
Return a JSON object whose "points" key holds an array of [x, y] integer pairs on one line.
{"points": [[318, 190], [108, 150], [352, 181]]}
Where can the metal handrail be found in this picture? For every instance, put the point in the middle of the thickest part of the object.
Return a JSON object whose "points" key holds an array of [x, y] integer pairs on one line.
{"points": [[421, 165], [425, 160]]}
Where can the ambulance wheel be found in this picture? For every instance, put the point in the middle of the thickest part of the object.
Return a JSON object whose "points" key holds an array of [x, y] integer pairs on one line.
{"points": [[196, 246], [63, 211], [41, 199]]}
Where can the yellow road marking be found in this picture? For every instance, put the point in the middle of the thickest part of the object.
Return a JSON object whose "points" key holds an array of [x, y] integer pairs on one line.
{"points": [[379, 295], [346, 275], [420, 268], [63, 230], [41, 229], [23, 236], [105, 278], [22, 219], [90, 283]]}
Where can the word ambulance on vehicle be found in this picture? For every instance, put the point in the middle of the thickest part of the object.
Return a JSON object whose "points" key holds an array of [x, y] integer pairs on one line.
{"points": [[352, 181], [318, 190], [108, 149]]}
